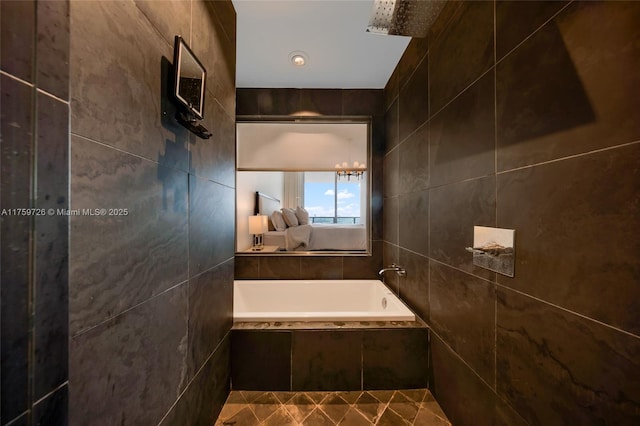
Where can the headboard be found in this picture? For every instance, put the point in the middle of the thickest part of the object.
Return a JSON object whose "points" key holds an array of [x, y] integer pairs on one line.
{"points": [[266, 204]]}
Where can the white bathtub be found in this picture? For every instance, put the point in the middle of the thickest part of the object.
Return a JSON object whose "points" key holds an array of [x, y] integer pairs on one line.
{"points": [[316, 300]]}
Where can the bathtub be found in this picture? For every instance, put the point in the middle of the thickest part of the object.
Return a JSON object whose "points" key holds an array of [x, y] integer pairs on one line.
{"points": [[316, 300]]}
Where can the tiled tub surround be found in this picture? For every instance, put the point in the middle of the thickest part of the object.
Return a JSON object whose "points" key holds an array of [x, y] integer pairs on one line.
{"points": [[329, 356], [316, 300]]}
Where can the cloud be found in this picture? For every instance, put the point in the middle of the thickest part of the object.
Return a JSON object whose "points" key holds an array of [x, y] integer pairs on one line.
{"points": [[345, 194], [329, 192]]}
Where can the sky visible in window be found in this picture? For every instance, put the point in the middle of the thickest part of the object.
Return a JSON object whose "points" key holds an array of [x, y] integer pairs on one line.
{"points": [[320, 199]]}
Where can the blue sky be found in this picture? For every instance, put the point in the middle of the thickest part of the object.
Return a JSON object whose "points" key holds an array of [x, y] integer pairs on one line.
{"points": [[319, 198]]}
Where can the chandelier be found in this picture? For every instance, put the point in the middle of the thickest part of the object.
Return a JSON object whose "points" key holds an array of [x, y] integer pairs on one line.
{"points": [[344, 170]]}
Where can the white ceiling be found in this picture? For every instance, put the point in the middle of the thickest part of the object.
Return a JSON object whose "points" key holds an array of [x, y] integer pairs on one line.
{"points": [[341, 55]]}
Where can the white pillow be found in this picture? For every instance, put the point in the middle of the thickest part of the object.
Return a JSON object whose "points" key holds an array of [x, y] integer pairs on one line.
{"points": [[278, 221], [303, 215], [290, 217]]}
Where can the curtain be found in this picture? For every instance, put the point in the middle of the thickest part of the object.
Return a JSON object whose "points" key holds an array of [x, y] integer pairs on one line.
{"points": [[293, 189]]}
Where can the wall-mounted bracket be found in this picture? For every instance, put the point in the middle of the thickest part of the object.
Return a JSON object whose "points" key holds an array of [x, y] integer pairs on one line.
{"points": [[494, 249]]}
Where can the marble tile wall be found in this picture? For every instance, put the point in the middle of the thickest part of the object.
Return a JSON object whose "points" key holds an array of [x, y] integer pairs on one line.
{"points": [[527, 120], [34, 111], [150, 290], [348, 102]]}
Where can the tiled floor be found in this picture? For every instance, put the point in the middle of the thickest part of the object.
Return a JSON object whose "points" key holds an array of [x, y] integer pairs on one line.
{"points": [[402, 407]]}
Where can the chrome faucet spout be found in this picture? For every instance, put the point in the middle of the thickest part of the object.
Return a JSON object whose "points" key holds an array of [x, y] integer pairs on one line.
{"points": [[398, 270]]}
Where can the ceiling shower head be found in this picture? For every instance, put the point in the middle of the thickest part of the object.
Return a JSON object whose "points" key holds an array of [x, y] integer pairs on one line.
{"points": [[411, 18]]}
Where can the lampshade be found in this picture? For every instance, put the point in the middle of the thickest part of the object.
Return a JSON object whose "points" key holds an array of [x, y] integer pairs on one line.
{"points": [[258, 224]]}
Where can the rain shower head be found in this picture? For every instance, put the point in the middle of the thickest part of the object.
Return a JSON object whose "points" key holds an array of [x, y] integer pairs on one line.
{"points": [[411, 18]]}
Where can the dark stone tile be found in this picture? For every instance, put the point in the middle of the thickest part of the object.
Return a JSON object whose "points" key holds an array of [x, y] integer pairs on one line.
{"points": [[335, 407], [132, 367], [247, 267], [53, 410], [580, 209], [413, 222], [321, 101], [454, 210], [414, 162], [280, 267], [391, 219], [411, 58], [226, 14], [244, 417], [247, 101], [210, 312], [300, 406], [217, 53], [315, 268], [369, 407], [173, 18], [17, 30], [391, 90], [202, 401], [354, 418], [414, 288], [463, 314], [282, 418], [414, 101], [277, 101], [515, 21], [462, 136], [461, 53], [325, 360], [22, 420], [406, 408], [15, 169], [464, 397], [362, 102], [391, 173], [214, 158], [390, 418], [53, 48], [261, 360], [128, 113], [366, 267], [390, 255], [576, 99], [51, 316], [594, 370], [119, 261], [211, 224], [395, 359], [391, 120]]}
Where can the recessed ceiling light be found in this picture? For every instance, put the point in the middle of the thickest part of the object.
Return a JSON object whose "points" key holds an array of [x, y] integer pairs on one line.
{"points": [[298, 58]]}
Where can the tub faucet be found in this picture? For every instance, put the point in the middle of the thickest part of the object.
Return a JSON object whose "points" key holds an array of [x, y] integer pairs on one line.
{"points": [[399, 270]]}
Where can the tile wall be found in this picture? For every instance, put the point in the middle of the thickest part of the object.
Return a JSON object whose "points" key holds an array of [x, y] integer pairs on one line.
{"points": [[522, 115], [150, 291], [320, 102], [34, 108]]}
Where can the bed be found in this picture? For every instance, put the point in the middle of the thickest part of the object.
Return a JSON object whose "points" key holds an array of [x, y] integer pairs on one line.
{"points": [[312, 237]]}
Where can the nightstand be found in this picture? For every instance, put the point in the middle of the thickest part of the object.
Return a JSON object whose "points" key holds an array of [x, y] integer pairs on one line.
{"points": [[265, 249]]}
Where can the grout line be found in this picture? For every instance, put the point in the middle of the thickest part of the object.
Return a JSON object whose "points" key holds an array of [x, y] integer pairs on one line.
{"points": [[195, 375], [495, 188], [570, 157], [533, 32], [66, 383], [462, 270], [546, 302], [431, 116], [119, 314], [44, 92], [20, 417], [148, 159], [13, 77]]}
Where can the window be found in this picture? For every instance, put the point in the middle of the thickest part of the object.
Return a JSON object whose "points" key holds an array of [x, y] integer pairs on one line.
{"points": [[330, 199]]}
